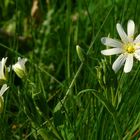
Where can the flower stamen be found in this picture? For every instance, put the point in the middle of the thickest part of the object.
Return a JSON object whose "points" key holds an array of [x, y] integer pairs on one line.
{"points": [[129, 48]]}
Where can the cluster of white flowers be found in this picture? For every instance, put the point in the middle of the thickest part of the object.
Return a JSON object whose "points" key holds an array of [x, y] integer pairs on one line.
{"points": [[128, 47], [19, 69]]}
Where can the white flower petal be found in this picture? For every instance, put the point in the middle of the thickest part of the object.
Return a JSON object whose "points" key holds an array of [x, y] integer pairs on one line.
{"points": [[3, 89], [137, 47], [129, 63], [111, 51], [2, 66], [111, 42], [137, 54], [137, 39], [122, 34], [130, 29], [119, 62], [19, 58]]}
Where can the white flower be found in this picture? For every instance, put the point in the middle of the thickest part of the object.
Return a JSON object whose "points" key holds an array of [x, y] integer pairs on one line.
{"points": [[2, 69], [19, 67], [3, 89], [128, 47]]}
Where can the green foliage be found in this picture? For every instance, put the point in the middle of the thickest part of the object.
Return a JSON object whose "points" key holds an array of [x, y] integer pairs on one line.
{"points": [[62, 97]]}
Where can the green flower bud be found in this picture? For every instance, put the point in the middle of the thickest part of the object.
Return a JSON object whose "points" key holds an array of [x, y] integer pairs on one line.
{"points": [[80, 53]]}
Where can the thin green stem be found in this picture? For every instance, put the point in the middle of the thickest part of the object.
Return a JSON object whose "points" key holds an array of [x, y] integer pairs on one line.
{"points": [[93, 41], [117, 126], [59, 105], [72, 82]]}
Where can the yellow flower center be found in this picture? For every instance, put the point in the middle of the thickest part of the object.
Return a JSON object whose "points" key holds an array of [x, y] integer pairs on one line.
{"points": [[129, 48]]}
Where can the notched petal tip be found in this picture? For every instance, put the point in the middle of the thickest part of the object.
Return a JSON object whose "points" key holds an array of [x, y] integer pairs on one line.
{"points": [[128, 64], [102, 52], [114, 69], [137, 55], [118, 63], [130, 29], [130, 21], [118, 25], [103, 40], [127, 71]]}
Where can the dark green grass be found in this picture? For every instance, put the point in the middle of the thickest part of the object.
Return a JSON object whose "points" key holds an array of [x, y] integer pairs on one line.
{"points": [[63, 98]]}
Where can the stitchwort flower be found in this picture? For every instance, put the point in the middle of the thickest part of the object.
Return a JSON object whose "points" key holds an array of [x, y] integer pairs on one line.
{"points": [[19, 67], [128, 47], [3, 89]]}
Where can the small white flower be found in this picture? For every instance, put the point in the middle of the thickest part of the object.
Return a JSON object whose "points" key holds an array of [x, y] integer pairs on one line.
{"points": [[128, 47], [2, 91], [2, 69], [19, 67]]}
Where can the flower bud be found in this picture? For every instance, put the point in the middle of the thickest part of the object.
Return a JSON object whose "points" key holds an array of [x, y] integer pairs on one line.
{"points": [[19, 67], [80, 53]]}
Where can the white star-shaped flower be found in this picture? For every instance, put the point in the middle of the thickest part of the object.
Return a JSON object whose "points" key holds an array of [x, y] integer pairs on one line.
{"points": [[19, 67], [128, 47]]}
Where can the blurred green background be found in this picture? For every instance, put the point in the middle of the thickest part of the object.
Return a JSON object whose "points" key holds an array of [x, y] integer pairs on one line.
{"points": [[63, 98]]}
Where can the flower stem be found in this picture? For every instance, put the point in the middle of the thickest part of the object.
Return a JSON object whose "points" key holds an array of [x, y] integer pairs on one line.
{"points": [[117, 126]]}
